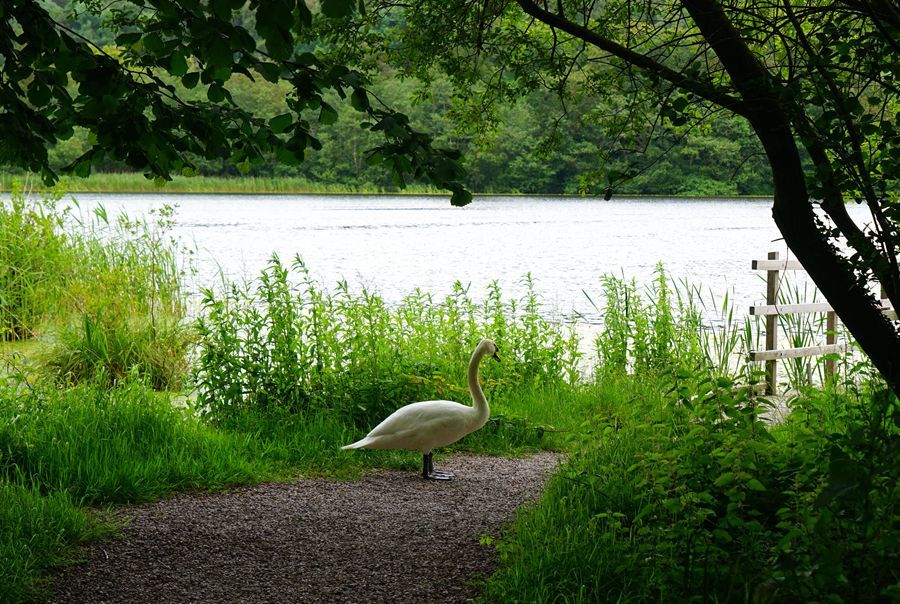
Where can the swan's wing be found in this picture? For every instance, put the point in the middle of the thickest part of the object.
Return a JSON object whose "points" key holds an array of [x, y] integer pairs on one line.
{"points": [[419, 415]]}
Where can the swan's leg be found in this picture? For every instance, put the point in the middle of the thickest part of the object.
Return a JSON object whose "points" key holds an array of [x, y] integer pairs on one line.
{"points": [[429, 472]]}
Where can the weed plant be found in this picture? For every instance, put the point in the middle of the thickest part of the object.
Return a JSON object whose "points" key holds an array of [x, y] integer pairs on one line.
{"points": [[668, 326], [285, 343]]}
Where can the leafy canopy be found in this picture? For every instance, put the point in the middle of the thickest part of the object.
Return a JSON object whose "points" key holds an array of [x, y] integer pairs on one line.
{"points": [[54, 79]]}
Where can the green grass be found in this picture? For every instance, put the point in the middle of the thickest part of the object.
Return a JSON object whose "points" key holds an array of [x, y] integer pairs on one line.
{"points": [[36, 532], [109, 446]]}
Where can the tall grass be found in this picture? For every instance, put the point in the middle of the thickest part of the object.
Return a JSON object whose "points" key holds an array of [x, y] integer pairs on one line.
{"points": [[36, 533], [104, 446], [100, 293], [34, 261]]}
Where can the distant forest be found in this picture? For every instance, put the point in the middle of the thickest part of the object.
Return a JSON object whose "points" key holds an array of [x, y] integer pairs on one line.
{"points": [[535, 145]]}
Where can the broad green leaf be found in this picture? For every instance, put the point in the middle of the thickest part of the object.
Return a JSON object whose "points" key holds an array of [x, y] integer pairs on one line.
{"points": [[336, 9], [755, 485], [128, 39], [280, 123], [725, 479], [359, 99], [327, 115], [215, 93], [218, 53], [190, 79], [153, 43], [221, 9], [177, 64], [270, 71]]}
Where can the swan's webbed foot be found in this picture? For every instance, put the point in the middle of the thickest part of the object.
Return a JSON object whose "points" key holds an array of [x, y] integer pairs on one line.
{"points": [[438, 475], [429, 473]]}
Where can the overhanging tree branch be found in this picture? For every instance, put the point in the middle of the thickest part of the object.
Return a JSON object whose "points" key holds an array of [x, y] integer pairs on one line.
{"points": [[703, 90]]}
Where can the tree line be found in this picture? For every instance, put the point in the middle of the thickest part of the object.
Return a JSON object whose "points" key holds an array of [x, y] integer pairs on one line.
{"points": [[534, 145]]}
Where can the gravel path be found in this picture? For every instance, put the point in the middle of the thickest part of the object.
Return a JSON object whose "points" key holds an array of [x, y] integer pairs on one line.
{"points": [[390, 537]]}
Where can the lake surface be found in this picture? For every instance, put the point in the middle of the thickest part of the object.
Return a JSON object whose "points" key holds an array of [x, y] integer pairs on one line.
{"points": [[397, 243]]}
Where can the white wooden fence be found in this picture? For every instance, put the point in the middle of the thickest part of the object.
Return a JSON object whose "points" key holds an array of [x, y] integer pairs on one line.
{"points": [[771, 310]]}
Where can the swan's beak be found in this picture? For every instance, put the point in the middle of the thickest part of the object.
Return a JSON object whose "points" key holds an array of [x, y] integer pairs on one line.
{"points": [[496, 357]]}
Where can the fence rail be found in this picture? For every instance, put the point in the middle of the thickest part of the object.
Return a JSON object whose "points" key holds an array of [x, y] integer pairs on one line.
{"points": [[771, 310]]}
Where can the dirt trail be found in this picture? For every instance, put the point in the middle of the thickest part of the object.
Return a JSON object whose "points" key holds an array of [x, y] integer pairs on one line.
{"points": [[390, 537]]}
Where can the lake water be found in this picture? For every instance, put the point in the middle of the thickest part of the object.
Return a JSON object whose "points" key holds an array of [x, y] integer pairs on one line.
{"points": [[396, 243]]}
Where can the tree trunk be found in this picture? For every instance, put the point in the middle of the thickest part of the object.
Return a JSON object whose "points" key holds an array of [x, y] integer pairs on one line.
{"points": [[792, 209]]}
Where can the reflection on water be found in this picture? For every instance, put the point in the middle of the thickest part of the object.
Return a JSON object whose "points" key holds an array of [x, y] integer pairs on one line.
{"points": [[397, 243]]}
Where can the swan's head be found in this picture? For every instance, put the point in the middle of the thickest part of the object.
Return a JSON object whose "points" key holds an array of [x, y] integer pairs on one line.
{"points": [[489, 348]]}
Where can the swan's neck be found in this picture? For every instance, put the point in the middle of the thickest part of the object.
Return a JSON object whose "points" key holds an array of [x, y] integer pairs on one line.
{"points": [[479, 403]]}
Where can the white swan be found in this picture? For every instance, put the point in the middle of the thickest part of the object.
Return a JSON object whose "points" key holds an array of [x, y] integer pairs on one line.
{"points": [[429, 424]]}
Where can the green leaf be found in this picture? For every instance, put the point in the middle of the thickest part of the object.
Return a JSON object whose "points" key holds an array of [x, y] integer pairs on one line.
{"points": [[216, 93], [153, 43], [218, 53], [327, 115], [177, 64], [270, 71], [461, 197], [190, 80], [336, 9], [755, 485], [725, 479], [280, 123], [359, 99], [128, 39], [221, 9], [38, 94]]}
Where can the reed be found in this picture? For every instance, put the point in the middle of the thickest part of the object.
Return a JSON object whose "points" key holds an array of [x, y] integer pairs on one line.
{"points": [[98, 293]]}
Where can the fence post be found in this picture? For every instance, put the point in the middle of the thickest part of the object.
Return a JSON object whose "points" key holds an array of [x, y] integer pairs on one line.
{"points": [[772, 283], [830, 338]]}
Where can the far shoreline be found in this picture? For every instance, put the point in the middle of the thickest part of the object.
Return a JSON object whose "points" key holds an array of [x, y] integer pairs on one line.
{"points": [[138, 184]]}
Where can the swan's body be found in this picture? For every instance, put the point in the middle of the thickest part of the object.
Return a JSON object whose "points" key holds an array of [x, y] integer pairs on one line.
{"points": [[427, 425]]}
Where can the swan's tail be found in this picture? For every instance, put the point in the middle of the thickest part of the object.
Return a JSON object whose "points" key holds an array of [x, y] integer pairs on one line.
{"points": [[360, 444]]}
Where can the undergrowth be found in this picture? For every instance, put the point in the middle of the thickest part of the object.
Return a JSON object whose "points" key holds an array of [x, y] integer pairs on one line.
{"points": [[678, 485], [691, 493]]}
